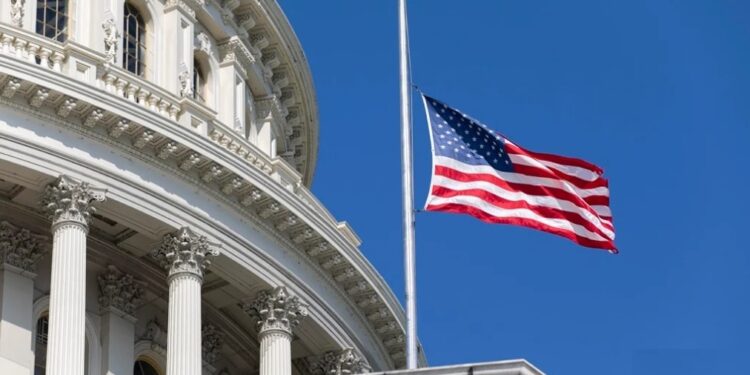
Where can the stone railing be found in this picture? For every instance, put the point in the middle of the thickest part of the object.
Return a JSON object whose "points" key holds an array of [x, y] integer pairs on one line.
{"points": [[31, 47], [136, 89]]}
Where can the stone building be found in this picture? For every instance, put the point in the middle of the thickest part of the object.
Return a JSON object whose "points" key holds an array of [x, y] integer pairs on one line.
{"points": [[155, 211]]}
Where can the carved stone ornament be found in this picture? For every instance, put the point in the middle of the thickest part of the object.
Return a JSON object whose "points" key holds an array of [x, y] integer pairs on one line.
{"points": [[16, 12], [153, 332], [186, 82], [119, 290], [276, 310], [344, 362], [111, 38], [212, 342], [21, 248], [203, 43], [69, 200], [185, 252]]}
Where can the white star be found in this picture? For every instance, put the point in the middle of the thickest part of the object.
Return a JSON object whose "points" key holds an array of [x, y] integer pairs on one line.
{"points": [[455, 150], [463, 148], [442, 146], [507, 162], [469, 155], [466, 132], [450, 143], [494, 160], [474, 139], [440, 126], [481, 146], [442, 136]]}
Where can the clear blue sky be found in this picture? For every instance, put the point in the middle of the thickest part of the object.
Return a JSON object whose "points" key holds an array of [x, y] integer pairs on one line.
{"points": [[656, 92]]}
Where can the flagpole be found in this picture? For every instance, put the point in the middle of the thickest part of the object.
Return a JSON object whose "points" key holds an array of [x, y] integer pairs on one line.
{"points": [[408, 190]]}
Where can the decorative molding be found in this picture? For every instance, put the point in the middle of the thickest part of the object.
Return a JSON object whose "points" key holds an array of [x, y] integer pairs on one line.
{"points": [[212, 342], [185, 252], [68, 200], [21, 248], [342, 362], [119, 290], [276, 310], [203, 43]]}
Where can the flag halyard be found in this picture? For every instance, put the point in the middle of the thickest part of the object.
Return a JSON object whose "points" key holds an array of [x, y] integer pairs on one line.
{"points": [[479, 172]]}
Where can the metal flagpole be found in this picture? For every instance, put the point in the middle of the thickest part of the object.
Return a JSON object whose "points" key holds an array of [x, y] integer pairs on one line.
{"points": [[408, 191]]}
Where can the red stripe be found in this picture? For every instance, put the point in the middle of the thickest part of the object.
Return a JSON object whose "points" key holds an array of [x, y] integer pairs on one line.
{"points": [[513, 148], [547, 212], [557, 175], [481, 215], [524, 188]]}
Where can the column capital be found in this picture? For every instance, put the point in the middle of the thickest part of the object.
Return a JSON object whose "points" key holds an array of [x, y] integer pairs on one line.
{"points": [[21, 248], [276, 310], [67, 200], [185, 252], [119, 291], [340, 362]]}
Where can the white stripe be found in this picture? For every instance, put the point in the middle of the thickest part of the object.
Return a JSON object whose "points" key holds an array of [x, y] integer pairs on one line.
{"points": [[521, 178], [603, 211], [517, 213], [534, 200], [572, 171]]}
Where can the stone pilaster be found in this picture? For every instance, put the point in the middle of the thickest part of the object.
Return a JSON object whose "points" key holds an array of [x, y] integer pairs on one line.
{"points": [[20, 250], [70, 205], [341, 362], [277, 313], [185, 255], [119, 295]]}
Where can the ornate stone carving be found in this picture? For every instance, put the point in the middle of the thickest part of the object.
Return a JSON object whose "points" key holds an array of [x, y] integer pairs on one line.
{"points": [[21, 248], [203, 43], [119, 128], [111, 39], [153, 331], [119, 290], [343, 362], [186, 82], [190, 161], [185, 252], [39, 97], [213, 172], [93, 117], [68, 200], [144, 138], [276, 310], [166, 150], [254, 196], [11, 87], [16, 12], [232, 185], [213, 340], [67, 106]]}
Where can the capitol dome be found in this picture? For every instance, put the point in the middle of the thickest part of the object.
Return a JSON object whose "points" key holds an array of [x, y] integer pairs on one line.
{"points": [[155, 213]]}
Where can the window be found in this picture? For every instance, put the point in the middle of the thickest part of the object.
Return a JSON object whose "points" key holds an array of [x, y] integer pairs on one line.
{"points": [[142, 367], [40, 345], [52, 19], [199, 81], [134, 35]]}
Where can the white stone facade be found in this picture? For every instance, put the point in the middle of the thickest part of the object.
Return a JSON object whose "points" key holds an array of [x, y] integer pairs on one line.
{"points": [[155, 217]]}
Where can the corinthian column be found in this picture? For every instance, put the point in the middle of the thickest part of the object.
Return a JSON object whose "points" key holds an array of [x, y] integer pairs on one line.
{"points": [[277, 313], [185, 256], [70, 205]]}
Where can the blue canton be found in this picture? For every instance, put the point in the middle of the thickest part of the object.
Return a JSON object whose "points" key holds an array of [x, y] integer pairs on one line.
{"points": [[459, 137]]}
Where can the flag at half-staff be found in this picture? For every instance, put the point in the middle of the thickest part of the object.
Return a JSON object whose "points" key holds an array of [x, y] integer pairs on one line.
{"points": [[478, 172]]}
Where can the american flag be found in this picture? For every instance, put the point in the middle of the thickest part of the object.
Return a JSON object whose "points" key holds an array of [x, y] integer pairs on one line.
{"points": [[481, 173]]}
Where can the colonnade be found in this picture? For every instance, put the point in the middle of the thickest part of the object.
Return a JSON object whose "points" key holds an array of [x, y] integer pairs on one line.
{"points": [[185, 256]]}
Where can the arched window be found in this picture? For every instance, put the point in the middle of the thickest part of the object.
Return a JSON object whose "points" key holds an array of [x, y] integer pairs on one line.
{"points": [[199, 81], [134, 35], [40, 345], [143, 367], [52, 19]]}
